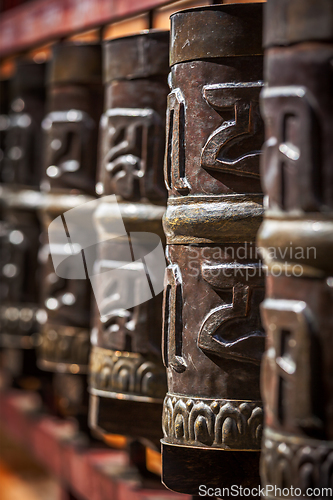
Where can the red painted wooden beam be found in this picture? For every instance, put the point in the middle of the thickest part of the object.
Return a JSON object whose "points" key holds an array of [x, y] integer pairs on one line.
{"points": [[40, 21], [89, 473]]}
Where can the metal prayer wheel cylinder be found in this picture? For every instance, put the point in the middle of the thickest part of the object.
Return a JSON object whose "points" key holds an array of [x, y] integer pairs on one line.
{"points": [[19, 280], [296, 242], [4, 124], [70, 159], [132, 146], [213, 338], [127, 376], [20, 229], [22, 151], [65, 327], [4, 120], [74, 109]]}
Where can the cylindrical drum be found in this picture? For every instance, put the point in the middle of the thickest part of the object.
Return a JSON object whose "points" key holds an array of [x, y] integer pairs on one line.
{"points": [[127, 377], [297, 244], [19, 282], [74, 99], [213, 339], [20, 228], [4, 119], [22, 142]]}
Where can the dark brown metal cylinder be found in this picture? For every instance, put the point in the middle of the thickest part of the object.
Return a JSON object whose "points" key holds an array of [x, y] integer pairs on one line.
{"points": [[4, 120], [19, 280], [22, 151], [71, 125], [20, 171], [127, 378], [213, 339], [296, 241], [74, 99]]}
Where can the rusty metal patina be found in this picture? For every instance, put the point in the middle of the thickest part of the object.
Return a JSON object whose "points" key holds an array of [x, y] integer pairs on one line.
{"points": [[213, 338], [70, 128], [127, 376], [22, 143], [296, 241], [20, 168], [4, 119]]}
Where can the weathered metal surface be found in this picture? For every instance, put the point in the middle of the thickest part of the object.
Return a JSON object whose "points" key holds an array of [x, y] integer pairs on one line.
{"points": [[183, 42], [126, 372], [66, 302], [65, 327], [213, 338], [22, 151], [20, 229], [297, 21], [296, 238], [71, 125], [19, 268], [19, 284], [74, 100], [4, 120]]}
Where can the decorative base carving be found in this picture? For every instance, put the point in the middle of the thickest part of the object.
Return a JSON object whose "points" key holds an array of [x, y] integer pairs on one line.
{"points": [[64, 349], [134, 375], [291, 461], [217, 423]]}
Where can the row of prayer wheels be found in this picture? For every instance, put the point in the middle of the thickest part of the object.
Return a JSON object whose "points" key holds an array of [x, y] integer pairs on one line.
{"points": [[114, 153]]}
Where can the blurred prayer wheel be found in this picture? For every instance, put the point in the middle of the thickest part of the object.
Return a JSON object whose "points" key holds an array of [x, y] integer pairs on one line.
{"points": [[127, 377], [213, 339], [74, 109], [4, 125], [20, 229], [22, 156], [296, 242], [4, 119], [70, 129], [19, 280]]}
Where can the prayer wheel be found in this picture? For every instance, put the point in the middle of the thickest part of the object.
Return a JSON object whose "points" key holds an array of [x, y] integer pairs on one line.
{"points": [[213, 338], [20, 167], [296, 242], [127, 377], [74, 106]]}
